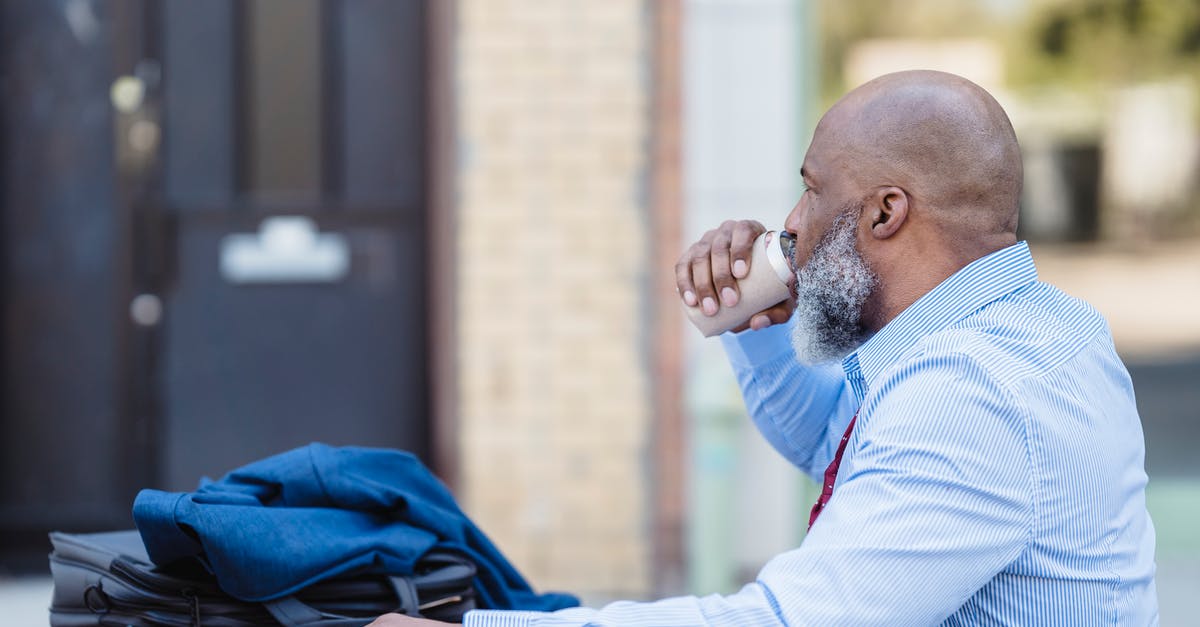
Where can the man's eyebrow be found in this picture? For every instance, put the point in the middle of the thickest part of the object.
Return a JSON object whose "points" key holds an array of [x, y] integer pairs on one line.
{"points": [[805, 174]]}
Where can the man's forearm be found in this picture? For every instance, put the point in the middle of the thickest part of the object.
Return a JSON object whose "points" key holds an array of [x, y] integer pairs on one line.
{"points": [[750, 607], [800, 410]]}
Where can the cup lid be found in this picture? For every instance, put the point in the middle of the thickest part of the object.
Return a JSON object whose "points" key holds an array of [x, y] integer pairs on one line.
{"points": [[779, 246]]}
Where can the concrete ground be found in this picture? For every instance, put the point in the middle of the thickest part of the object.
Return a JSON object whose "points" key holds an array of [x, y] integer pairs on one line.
{"points": [[24, 601]]}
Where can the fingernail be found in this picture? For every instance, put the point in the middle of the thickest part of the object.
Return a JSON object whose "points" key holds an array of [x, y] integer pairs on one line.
{"points": [[739, 268], [759, 323], [729, 296], [709, 306], [689, 297]]}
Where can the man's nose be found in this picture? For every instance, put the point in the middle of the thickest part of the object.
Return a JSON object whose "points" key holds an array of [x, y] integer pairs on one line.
{"points": [[792, 223]]}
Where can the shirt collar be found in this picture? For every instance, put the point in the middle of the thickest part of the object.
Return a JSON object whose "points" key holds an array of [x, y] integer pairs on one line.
{"points": [[978, 283]]}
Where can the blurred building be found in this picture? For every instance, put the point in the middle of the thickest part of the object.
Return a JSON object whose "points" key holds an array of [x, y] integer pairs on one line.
{"points": [[234, 227], [231, 228], [216, 223], [557, 245]]}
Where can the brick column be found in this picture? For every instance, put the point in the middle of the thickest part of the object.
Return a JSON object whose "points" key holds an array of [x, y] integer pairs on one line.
{"points": [[552, 274]]}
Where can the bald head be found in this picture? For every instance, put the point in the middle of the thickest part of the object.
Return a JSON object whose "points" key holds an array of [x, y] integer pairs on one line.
{"points": [[941, 138], [909, 178]]}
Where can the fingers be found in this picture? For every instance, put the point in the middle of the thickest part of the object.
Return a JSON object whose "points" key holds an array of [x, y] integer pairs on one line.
{"points": [[683, 280], [693, 277], [722, 276], [778, 314], [400, 620], [775, 315], [741, 246], [706, 274], [702, 278]]}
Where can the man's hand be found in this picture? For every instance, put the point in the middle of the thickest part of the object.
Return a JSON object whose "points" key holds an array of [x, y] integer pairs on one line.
{"points": [[400, 620], [707, 272]]}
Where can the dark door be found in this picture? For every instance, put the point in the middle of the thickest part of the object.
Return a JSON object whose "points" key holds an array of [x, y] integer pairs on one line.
{"points": [[290, 193], [257, 173]]}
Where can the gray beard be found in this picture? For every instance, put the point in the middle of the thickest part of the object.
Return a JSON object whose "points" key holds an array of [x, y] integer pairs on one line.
{"points": [[831, 290]]}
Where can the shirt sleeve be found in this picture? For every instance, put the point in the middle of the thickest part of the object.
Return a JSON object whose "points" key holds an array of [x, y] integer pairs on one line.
{"points": [[934, 499], [801, 411], [750, 607]]}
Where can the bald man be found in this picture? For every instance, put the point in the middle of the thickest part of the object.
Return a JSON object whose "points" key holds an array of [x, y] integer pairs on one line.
{"points": [[974, 432]]}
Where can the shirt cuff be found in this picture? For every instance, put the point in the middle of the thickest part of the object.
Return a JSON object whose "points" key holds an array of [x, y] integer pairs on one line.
{"points": [[499, 618], [749, 349]]}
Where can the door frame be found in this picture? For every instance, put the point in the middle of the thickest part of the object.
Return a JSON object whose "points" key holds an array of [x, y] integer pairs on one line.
{"points": [[442, 214]]}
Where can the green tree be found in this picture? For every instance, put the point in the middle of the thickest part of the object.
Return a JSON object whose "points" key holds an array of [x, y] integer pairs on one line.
{"points": [[1088, 42]]}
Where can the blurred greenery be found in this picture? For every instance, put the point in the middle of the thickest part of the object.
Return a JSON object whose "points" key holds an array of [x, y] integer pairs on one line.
{"points": [[1084, 42], [1084, 45], [845, 23], [1077, 50], [1175, 507]]}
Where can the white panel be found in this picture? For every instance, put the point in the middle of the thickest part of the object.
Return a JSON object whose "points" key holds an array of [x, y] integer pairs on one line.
{"points": [[742, 127]]}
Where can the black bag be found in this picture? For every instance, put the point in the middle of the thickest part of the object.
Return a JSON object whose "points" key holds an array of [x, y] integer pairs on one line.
{"points": [[107, 579]]}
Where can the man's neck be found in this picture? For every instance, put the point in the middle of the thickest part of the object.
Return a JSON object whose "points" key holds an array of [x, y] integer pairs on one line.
{"points": [[901, 285]]}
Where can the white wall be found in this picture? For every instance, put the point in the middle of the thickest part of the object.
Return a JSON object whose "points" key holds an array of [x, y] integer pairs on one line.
{"points": [[743, 125]]}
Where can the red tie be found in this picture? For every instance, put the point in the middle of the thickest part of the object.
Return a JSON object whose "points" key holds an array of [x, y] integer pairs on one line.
{"points": [[831, 475]]}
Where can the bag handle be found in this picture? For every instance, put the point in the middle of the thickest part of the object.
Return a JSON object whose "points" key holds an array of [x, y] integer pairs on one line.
{"points": [[406, 591], [292, 612]]}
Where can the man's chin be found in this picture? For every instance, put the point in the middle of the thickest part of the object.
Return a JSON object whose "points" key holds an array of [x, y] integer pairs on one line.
{"points": [[810, 352]]}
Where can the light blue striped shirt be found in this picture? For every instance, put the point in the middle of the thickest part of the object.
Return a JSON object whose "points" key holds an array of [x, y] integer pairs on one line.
{"points": [[995, 475]]}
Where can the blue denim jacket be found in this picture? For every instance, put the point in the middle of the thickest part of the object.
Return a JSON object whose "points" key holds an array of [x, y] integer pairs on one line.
{"points": [[279, 524]]}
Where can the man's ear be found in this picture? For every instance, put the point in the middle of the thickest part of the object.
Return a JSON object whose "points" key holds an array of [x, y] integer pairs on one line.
{"points": [[887, 209]]}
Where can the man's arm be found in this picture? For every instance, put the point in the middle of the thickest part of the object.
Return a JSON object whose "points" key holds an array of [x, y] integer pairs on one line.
{"points": [[801, 410], [935, 499]]}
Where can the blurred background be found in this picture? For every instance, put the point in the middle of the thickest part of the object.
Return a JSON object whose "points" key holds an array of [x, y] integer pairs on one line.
{"points": [[231, 228]]}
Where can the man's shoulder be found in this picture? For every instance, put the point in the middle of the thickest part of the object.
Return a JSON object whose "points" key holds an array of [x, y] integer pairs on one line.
{"points": [[1025, 334]]}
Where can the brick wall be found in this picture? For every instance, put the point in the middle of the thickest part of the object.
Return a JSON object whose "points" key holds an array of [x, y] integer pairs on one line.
{"points": [[554, 397]]}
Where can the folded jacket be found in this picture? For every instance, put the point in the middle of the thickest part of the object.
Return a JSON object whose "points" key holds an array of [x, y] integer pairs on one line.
{"points": [[279, 524]]}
